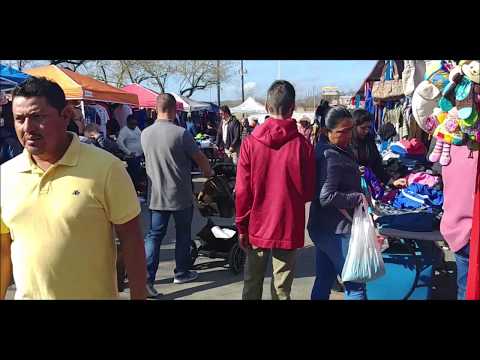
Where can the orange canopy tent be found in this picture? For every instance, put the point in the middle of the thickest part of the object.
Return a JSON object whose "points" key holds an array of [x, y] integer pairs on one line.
{"points": [[80, 87]]}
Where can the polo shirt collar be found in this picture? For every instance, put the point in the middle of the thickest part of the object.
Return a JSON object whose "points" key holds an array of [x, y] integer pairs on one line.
{"points": [[70, 158]]}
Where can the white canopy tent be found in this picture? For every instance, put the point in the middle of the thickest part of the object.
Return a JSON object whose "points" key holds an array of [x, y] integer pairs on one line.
{"points": [[191, 105], [249, 106]]}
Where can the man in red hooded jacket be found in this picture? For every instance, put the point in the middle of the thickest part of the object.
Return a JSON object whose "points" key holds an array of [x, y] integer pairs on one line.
{"points": [[275, 178]]}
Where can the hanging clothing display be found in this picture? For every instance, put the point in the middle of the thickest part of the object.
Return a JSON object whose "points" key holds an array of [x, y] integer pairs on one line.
{"points": [[121, 113], [104, 117]]}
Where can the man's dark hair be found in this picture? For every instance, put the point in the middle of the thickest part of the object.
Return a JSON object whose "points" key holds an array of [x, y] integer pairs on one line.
{"points": [[281, 97], [335, 115], [42, 87], [130, 118], [361, 116], [166, 102], [226, 109], [89, 128]]}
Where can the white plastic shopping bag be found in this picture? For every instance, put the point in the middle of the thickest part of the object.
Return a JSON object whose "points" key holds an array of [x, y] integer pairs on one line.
{"points": [[364, 261]]}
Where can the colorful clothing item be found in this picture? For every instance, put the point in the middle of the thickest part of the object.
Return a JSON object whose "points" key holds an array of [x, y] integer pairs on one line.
{"points": [[423, 179], [416, 195]]}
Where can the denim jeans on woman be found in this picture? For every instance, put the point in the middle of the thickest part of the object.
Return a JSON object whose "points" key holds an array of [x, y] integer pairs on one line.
{"points": [[462, 260], [158, 229], [331, 251]]}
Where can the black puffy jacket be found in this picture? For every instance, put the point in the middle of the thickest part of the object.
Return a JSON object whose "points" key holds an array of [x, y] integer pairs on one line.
{"points": [[338, 187], [366, 154]]}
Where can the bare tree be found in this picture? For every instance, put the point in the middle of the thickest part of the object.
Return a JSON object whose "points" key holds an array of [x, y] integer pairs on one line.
{"points": [[157, 72], [21, 65], [69, 64], [122, 72], [103, 70], [201, 74]]}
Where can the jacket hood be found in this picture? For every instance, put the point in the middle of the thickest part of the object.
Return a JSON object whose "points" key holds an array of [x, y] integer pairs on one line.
{"points": [[274, 133]]}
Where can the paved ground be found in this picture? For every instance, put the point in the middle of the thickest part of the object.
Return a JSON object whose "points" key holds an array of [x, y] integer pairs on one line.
{"points": [[217, 282]]}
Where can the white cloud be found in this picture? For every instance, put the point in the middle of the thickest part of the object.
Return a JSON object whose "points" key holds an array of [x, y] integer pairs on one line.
{"points": [[250, 86]]}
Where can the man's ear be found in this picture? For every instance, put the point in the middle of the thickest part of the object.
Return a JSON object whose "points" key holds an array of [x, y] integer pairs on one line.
{"points": [[292, 108], [67, 113]]}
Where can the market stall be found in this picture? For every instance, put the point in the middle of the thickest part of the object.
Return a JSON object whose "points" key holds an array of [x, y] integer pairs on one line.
{"points": [[9, 78], [96, 97], [81, 87], [147, 98], [249, 107], [445, 106]]}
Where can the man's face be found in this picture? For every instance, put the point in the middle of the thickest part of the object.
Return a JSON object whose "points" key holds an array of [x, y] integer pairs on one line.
{"points": [[40, 127], [223, 115]]}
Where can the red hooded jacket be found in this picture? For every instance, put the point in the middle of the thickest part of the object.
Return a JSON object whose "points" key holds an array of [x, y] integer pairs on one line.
{"points": [[275, 178]]}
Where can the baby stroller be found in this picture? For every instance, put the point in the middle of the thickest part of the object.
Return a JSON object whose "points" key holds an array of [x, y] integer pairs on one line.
{"points": [[217, 199]]}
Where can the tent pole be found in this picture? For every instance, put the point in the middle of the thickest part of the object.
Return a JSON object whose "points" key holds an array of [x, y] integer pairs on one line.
{"points": [[82, 105]]}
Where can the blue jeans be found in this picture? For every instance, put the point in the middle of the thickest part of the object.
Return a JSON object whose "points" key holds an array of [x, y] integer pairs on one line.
{"points": [[158, 229], [461, 258], [331, 251]]}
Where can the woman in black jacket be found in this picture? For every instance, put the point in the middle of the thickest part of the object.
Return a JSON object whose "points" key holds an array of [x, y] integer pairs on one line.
{"points": [[338, 191], [363, 145]]}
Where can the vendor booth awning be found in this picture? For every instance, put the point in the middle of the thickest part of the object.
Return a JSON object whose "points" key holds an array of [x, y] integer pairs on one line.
{"points": [[146, 98], [249, 106], [81, 87], [9, 77]]}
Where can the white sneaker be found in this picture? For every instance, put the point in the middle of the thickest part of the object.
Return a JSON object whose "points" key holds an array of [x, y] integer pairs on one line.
{"points": [[185, 277], [152, 293]]}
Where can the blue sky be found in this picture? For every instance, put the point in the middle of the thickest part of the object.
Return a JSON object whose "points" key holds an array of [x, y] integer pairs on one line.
{"points": [[304, 74]]}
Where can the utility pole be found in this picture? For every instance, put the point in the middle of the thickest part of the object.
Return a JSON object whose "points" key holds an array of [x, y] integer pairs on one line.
{"points": [[243, 89], [218, 82]]}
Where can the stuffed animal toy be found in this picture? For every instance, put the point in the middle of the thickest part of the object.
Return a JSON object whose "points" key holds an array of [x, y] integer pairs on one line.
{"points": [[447, 133], [427, 94], [460, 98]]}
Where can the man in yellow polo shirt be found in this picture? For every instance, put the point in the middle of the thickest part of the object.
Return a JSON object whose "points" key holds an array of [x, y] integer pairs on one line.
{"points": [[59, 202]]}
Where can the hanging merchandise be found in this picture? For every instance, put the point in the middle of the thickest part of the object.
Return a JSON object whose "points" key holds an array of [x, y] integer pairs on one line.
{"points": [[384, 90], [413, 73], [447, 105], [395, 117], [102, 115]]}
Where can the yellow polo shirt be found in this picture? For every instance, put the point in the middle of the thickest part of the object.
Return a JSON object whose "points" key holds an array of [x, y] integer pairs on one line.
{"points": [[3, 227], [60, 222]]}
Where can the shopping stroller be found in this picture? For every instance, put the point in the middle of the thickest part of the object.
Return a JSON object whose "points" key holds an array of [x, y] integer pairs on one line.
{"points": [[217, 199]]}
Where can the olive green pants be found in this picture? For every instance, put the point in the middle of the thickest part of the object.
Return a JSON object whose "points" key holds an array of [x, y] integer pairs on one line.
{"points": [[283, 262]]}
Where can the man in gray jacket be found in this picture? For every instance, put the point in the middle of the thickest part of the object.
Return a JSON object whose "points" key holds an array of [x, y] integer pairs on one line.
{"points": [[169, 150]]}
